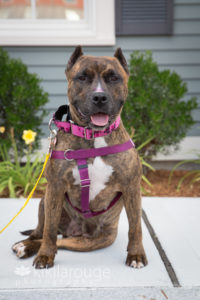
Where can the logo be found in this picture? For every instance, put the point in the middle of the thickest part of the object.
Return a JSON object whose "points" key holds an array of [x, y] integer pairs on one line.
{"points": [[22, 271]]}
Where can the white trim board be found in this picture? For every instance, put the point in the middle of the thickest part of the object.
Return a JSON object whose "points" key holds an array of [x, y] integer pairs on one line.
{"points": [[189, 149]]}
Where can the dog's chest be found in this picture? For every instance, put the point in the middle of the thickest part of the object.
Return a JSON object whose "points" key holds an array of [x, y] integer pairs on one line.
{"points": [[99, 172]]}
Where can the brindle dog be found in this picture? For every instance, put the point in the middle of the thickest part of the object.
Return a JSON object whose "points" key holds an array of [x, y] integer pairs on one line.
{"points": [[97, 90]]}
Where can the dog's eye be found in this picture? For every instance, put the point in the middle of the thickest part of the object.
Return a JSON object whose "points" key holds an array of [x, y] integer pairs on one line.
{"points": [[82, 78], [114, 78]]}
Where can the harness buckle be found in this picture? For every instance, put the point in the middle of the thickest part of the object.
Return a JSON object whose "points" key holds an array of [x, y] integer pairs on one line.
{"points": [[85, 133], [65, 152], [87, 213], [85, 185]]}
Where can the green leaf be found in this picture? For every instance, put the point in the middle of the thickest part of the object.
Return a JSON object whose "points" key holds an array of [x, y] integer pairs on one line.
{"points": [[144, 163], [3, 185], [11, 188], [145, 143], [184, 177], [146, 180], [26, 189]]}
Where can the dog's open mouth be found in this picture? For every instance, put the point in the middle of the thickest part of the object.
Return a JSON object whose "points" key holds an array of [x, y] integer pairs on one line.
{"points": [[99, 119]]}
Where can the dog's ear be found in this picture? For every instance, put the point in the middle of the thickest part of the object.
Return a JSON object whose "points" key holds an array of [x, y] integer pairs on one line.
{"points": [[119, 55], [75, 55]]}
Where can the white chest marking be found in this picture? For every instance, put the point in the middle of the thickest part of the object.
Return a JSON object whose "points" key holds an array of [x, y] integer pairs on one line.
{"points": [[99, 172]]}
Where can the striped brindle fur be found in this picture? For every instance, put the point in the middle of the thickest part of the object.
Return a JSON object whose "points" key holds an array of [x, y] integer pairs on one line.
{"points": [[121, 172]]}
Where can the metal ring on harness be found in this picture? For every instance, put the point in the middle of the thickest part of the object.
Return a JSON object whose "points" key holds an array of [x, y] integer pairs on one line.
{"points": [[65, 152]]}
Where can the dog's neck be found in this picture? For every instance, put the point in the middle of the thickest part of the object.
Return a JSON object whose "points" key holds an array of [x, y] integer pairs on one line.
{"points": [[74, 117], [70, 126]]}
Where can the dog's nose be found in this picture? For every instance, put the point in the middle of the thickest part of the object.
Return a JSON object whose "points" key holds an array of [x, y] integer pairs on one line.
{"points": [[99, 98]]}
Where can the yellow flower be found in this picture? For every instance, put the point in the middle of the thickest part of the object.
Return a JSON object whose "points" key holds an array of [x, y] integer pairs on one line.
{"points": [[29, 136], [2, 129]]}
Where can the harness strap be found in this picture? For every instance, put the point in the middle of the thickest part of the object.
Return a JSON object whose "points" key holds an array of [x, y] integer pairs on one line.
{"points": [[81, 158], [91, 152], [85, 186], [90, 213]]}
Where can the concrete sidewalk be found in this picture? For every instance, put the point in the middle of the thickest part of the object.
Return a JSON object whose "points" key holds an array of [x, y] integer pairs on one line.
{"points": [[171, 240]]}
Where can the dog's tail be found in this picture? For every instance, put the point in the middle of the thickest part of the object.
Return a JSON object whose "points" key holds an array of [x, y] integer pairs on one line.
{"points": [[27, 232], [84, 244]]}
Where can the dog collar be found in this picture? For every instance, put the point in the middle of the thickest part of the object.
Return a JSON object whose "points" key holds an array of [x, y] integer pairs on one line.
{"points": [[84, 132]]}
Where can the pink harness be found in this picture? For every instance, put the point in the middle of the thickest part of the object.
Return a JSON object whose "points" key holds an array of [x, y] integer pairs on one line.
{"points": [[82, 155]]}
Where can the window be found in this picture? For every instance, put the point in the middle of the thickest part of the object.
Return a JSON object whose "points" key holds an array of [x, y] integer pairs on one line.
{"points": [[56, 22], [144, 17], [42, 9]]}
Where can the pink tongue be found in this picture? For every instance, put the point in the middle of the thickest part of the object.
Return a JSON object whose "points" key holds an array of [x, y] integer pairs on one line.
{"points": [[100, 119]]}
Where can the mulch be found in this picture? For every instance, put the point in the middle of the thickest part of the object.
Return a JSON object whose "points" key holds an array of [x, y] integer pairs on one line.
{"points": [[161, 187]]}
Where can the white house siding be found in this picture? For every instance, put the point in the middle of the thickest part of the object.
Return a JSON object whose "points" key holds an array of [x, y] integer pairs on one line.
{"points": [[179, 52]]}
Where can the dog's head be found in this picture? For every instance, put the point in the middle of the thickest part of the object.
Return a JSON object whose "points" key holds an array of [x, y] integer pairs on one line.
{"points": [[97, 88]]}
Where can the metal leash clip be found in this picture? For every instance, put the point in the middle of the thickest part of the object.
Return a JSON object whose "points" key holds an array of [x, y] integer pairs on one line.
{"points": [[52, 138]]}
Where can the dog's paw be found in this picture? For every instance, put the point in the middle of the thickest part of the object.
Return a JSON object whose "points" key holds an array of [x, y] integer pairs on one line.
{"points": [[137, 261], [43, 262], [20, 249], [26, 248]]}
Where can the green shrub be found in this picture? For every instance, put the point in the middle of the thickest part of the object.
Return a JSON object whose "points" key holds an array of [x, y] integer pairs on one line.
{"points": [[21, 100], [154, 107]]}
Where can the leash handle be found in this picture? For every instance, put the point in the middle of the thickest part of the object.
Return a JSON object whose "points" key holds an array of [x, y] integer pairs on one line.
{"points": [[30, 195]]}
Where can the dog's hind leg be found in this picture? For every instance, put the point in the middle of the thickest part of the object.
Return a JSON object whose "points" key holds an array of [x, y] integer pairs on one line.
{"points": [[38, 231], [84, 244], [26, 248], [31, 245]]}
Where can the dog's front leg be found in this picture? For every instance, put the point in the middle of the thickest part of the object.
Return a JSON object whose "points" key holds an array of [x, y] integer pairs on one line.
{"points": [[136, 257], [53, 207]]}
